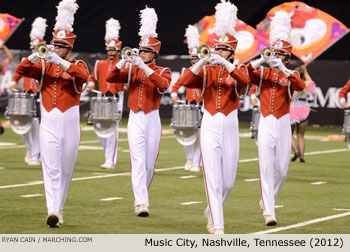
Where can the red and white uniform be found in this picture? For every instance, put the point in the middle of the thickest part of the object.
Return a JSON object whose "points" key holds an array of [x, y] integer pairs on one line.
{"points": [[99, 73], [144, 127], [60, 125], [274, 141], [193, 151], [343, 92], [219, 138], [31, 138]]}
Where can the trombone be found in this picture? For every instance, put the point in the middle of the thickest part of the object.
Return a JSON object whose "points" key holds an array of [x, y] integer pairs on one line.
{"points": [[204, 52], [128, 53], [267, 53]]}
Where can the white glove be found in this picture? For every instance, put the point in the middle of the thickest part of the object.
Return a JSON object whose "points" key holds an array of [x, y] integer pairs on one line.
{"points": [[91, 86], [257, 63], [52, 57], [12, 85], [34, 57], [120, 65], [140, 64], [216, 59], [277, 62], [174, 97], [196, 68]]}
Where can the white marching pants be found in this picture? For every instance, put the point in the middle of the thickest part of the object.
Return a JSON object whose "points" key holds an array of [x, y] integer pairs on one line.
{"points": [[31, 140], [274, 145], [219, 141], [110, 146], [193, 153], [59, 142], [144, 133]]}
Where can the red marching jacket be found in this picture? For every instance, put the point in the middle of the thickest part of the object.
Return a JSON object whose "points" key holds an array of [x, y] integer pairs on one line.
{"points": [[144, 92], [99, 73], [220, 93], [58, 89], [274, 94]]}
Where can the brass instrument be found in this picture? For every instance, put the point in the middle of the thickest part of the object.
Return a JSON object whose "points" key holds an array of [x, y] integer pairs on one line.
{"points": [[267, 53], [42, 50], [128, 52], [204, 52]]}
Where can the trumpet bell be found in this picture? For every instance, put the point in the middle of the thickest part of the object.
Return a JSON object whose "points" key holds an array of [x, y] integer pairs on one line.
{"points": [[267, 53], [42, 50], [203, 51]]}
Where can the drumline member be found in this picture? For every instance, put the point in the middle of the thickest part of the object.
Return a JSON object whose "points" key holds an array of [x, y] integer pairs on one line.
{"points": [[299, 113], [276, 89], [60, 121], [147, 83], [31, 139], [3, 69], [342, 94], [99, 73], [219, 139], [193, 155]]}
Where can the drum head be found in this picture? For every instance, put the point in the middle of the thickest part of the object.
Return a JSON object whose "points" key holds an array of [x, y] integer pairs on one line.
{"points": [[21, 124], [104, 128], [186, 137]]}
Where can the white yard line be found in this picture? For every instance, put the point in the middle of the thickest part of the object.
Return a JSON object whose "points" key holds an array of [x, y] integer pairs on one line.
{"points": [[319, 183], [252, 180], [187, 177], [305, 223], [110, 199], [191, 203], [31, 195]]}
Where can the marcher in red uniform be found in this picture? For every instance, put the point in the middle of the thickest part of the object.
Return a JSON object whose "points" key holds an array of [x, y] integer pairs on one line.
{"points": [[147, 83], [219, 138], [276, 88], [99, 73], [342, 94], [31, 138], [60, 121], [193, 154]]}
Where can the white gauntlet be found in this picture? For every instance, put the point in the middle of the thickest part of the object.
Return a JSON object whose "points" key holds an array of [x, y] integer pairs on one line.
{"points": [[65, 64], [120, 65], [148, 71], [229, 66], [196, 68], [33, 58], [257, 63]]}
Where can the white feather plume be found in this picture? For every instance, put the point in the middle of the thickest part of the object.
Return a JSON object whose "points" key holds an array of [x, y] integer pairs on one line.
{"points": [[38, 28], [148, 23], [280, 27], [226, 17], [112, 29], [192, 36], [65, 15]]}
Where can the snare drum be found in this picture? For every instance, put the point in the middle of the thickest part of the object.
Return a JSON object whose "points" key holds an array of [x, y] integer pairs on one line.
{"points": [[20, 110], [104, 108], [104, 115], [21, 104], [185, 116]]}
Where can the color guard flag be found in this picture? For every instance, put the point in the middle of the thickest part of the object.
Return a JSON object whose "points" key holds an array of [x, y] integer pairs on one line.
{"points": [[313, 31], [245, 34], [8, 24]]}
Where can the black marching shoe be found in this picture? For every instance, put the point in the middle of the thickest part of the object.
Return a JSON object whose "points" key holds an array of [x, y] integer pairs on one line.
{"points": [[296, 155], [302, 160]]}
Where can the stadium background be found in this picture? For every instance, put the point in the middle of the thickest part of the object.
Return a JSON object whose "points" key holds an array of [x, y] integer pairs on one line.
{"points": [[329, 70]]}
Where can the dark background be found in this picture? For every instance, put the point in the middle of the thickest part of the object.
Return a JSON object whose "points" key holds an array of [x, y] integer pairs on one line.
{"points": [[173, 18]]}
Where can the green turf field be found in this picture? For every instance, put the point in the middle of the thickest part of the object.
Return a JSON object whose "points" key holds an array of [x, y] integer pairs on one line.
{"points": [[327, 162]]}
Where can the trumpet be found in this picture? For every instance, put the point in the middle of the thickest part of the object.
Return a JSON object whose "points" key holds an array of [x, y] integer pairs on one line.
{"points": [[267, 53], [42, 50], [128, 52], [204, 52]]}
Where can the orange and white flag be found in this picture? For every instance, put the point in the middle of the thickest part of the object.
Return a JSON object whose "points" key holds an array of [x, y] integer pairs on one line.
{"points": [[8, 25]]}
